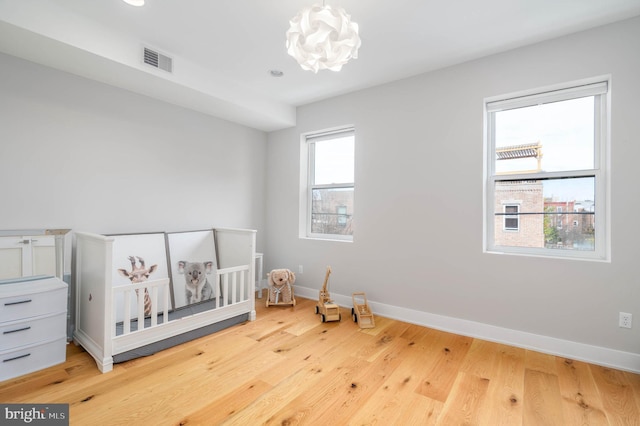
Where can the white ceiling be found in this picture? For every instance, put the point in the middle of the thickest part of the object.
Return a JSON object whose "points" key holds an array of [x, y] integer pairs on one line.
{"points": [[223, 50]]}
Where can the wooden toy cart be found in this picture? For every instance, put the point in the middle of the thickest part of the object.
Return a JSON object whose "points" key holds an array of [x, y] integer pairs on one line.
{"points": [[292, 302], [328, 310], [361, 312]]}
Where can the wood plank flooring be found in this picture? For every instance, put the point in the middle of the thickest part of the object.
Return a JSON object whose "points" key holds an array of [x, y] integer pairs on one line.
{"points": [[288, 368]]}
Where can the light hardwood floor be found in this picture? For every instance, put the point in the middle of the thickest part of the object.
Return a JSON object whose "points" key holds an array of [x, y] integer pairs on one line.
{"points": [[288, 368]]}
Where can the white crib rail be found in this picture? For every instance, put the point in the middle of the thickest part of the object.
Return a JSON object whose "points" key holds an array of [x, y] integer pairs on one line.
{"points": [[155, 288], [233, 282]]}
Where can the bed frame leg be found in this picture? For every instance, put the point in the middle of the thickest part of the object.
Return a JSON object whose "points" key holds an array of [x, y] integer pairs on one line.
{"points": [[106, 365]]}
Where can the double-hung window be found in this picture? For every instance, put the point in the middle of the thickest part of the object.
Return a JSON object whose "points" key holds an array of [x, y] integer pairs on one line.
{"points": [[546, 167], [329, 185]]}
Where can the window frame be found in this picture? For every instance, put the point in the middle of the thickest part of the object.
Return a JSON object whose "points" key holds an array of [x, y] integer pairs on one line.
{"points": [[307, 184], [600, 87]]}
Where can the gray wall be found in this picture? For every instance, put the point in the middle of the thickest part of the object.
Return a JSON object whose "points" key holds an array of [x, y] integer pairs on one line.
{"points": [[418, 203], [83, 155]]}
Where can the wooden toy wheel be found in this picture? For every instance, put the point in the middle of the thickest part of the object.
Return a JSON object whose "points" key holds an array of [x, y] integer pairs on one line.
{"points": [[323, 318], [317, 310]]}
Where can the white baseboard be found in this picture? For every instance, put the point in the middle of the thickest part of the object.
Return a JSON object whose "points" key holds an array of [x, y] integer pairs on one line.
{"points": [[564, 348]]}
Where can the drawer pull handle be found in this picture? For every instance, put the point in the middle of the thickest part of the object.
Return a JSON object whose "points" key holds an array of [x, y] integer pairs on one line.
{"points": [[16, 357], [17, 303], [15, 331]]}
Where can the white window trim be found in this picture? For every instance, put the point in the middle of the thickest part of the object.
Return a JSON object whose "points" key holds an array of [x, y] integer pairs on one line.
{"points": [[592, 86], [306, 171]]}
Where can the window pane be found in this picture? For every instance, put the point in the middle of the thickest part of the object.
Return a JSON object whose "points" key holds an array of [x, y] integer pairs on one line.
{"points": [[511, 223], [334, 161], [550, 137], [553, 213], [332, 211]]}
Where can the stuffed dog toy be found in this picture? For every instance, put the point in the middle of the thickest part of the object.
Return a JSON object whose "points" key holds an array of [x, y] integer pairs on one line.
{"points": [[197, 287], [280, 282]]}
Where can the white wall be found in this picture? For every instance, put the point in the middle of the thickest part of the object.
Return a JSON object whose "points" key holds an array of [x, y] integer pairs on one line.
{"points": [[79, 154], [417, 249]]}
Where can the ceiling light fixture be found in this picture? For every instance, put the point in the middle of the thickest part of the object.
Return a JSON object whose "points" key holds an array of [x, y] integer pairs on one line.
{"points": [[134, 2], [322, 37]]}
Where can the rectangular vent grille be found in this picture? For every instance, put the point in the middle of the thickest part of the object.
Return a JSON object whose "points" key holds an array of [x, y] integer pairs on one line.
{"points": [[157, 60]]}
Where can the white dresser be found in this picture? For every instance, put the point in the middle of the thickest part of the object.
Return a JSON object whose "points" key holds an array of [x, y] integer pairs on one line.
{"points": [[33, 321]]}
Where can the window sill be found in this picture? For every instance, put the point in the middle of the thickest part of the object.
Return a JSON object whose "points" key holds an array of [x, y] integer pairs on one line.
{"points": [[329, 239], [593, 258]]}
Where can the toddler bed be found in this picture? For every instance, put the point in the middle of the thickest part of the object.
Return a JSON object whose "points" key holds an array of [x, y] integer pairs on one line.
{"points": [[115, 323]]}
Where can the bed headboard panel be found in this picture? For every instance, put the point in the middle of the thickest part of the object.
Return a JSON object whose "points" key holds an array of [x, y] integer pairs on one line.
{"points": [[235, 247]]}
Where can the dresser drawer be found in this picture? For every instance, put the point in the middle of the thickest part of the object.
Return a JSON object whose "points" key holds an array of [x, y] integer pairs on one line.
{"points": [[31, 330], [28, 359], [16, 307]]}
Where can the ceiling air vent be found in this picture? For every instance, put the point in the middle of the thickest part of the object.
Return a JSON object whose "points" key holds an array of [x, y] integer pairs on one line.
{"points": [[157, 60]]}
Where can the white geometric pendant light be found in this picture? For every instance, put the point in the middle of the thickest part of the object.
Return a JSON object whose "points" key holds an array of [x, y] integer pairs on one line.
{"points": [[322, 37]]}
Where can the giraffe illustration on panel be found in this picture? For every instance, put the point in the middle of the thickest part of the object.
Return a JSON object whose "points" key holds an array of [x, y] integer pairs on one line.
{"points": [[137, 275]]}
